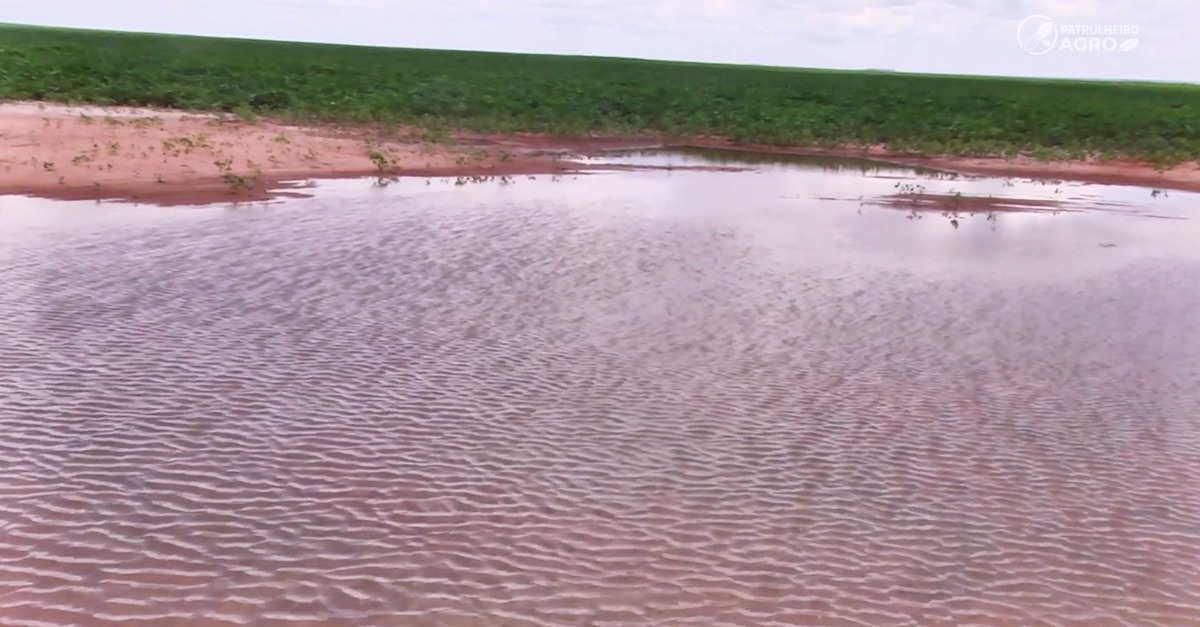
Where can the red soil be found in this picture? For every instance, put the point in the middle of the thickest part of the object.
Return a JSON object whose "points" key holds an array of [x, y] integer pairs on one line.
{"points": [[171, 157]]}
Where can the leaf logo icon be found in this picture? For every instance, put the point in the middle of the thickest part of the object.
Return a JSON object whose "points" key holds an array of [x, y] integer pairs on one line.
{"points": [[1043, 31], [1039, 40], [1129, 44]]}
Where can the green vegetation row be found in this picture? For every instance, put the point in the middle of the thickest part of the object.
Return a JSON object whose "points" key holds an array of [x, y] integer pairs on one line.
{"points": [[573, 95]]}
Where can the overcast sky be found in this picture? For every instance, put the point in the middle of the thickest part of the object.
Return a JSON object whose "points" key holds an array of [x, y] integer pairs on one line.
{"points": [[955, 36]]}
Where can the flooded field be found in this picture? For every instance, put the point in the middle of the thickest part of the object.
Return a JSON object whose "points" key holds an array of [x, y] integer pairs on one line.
{"points": [[674, 397]]}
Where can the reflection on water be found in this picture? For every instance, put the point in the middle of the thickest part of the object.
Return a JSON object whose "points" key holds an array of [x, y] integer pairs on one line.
{"points": [[696, 156], [625, 399]]}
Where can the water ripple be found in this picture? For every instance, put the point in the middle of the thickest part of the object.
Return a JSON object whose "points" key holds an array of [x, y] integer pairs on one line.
{"points": [[417, 412]]}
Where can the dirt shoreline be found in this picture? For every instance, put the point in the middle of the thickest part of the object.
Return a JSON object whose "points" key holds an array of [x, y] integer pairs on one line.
{"points": [[180, 158]]}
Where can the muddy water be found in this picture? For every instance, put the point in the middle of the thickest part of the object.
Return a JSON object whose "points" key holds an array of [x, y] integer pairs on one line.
{"points": [[642, 398]]}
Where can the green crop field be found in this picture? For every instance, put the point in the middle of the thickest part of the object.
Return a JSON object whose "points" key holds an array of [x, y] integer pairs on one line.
{"points": [[572, 95]]}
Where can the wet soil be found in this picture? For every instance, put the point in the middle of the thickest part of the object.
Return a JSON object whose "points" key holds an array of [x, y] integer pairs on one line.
{"points": [[172, 157]]}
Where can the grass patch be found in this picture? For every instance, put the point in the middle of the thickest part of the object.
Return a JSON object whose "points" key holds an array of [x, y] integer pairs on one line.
{"points": [[574, 95], [238, 182]]}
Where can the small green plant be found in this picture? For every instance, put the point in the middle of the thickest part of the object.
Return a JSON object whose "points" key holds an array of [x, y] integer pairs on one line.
{"points": [[381, 161], [185, 144], [435, 136], [954, 201], [147, 121], [245, 113], [913, 192], [240, 182], [1043, 154]]}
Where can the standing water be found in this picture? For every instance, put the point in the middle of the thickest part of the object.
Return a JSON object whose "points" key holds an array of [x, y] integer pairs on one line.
{"points": [[668, 397]]}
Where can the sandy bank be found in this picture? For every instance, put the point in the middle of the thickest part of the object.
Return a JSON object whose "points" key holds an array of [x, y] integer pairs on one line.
{"points": [[172, 157]]}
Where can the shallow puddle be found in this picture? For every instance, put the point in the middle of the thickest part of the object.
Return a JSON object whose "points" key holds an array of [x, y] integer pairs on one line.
{"points": [[635, 398]]}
